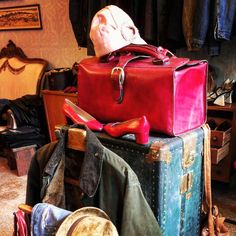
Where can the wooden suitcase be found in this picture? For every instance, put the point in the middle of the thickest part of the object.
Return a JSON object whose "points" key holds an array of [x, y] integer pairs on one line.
{"points": [[170, 172]]}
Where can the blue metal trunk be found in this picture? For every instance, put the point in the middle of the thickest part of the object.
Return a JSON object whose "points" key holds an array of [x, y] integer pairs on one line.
{"points": [[170, 173]]}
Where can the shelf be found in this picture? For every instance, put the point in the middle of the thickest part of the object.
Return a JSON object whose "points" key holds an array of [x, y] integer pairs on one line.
{"points": [[223, 170], [227, 107]]}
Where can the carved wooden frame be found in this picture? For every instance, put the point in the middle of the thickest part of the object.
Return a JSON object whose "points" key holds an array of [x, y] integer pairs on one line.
{"points": [[11, 50]]}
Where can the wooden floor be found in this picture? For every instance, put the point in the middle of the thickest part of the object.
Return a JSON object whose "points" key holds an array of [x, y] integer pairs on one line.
{"points": [[12, 193], [224, 196]]}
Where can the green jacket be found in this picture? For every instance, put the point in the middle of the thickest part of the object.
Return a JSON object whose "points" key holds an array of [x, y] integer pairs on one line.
{"points": [[105, 181]]}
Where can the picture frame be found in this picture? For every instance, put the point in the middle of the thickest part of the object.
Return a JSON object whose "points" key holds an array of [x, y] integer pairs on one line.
{"points": [[26, 17]]}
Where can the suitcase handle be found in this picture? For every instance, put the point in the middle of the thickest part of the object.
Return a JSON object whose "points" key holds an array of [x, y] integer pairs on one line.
{"points": [[125, 56], [161, 55]]}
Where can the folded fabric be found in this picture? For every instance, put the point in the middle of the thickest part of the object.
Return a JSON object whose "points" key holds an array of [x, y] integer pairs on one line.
{"points": [[46, 218], [22, 136]]}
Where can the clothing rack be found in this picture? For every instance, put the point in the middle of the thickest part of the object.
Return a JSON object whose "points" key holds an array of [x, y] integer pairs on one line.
{"points": [[76, 139]]}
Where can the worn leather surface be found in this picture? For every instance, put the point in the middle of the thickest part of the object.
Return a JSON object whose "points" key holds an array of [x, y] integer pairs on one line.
{"points": [[176, 213], [172, 95]]}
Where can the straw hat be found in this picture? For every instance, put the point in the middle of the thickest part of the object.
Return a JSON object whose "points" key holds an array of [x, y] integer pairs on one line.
{"points": [[87, 221]]}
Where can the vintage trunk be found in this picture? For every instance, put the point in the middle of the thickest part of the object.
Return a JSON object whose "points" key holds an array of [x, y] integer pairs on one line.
{"points": [[170, 172]]}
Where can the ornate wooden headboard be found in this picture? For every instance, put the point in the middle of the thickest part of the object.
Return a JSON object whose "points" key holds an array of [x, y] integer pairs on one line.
{"points": [[19, 75]]}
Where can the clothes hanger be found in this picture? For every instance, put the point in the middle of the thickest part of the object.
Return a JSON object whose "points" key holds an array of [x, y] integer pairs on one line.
{"points": [[25, 208], [76, 139]]}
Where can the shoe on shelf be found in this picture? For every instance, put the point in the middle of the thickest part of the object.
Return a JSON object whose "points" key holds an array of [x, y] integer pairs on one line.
{"points": [[222, 94], [140, 127], [228, 97], [78, 116], [220, 97], [228, 84], [220, 100]]}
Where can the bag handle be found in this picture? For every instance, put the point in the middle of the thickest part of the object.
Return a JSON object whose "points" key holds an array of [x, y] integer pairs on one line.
{"points": [[215, 222], [126, 55], [130, 53], [161, 56], [207, 177]]}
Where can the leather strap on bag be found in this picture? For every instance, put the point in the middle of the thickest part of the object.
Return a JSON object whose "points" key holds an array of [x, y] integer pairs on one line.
{"points": [[215, 222], [207, 177], [118, 75], [158, 56]]}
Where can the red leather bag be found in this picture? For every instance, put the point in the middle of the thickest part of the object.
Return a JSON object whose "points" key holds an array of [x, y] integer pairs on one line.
{"points": [[145, 80]]}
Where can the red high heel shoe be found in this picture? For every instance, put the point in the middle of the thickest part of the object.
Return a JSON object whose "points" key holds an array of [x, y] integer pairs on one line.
{"points": [[139, 127], [78, 115]]}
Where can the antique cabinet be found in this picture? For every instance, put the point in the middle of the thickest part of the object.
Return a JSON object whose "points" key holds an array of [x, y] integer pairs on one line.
{"points": [[222, 170]]}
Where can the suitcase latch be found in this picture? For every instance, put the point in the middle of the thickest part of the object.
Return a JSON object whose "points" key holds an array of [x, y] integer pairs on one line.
{"points": [[155, 154], [189, 150], [188, 159], [186, 183]]}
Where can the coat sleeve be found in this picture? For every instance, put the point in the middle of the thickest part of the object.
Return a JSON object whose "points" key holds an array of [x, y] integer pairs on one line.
{"points": [[35, 173], [138, 218], [33, 182]]}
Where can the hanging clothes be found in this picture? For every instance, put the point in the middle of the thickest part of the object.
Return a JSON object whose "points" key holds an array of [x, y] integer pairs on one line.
{"points": [[105, 181], [159, 22], [27, 110], [208, 21]]}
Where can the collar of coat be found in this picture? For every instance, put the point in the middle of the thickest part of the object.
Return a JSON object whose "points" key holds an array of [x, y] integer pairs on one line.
{"points": [[91, 169]]}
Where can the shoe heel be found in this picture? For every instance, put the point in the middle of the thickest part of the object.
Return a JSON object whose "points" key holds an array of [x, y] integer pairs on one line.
{"points": [[142, 138], [228, 97]]}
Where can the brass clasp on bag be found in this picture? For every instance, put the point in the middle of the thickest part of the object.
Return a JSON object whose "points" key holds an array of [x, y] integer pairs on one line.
{"points": [[118, 77]]}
